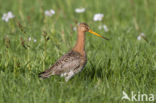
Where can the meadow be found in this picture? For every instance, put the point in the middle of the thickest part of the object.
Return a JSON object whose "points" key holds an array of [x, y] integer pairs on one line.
{"points": [[31, 42]]}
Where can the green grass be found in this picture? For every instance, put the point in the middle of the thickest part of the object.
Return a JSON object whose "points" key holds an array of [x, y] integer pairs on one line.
{"points": [[121, 64]]}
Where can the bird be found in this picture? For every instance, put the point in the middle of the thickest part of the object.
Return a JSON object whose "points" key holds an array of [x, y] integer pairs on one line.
{"points": [[73, 61]]}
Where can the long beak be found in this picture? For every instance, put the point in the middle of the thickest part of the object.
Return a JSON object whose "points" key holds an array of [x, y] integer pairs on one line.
{"points": [[97, 34]]}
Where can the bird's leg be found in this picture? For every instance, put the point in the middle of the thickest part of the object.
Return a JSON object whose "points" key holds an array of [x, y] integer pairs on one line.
{"points": [[69, 76]]}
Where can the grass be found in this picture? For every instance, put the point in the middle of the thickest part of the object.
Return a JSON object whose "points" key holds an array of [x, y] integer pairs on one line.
{"points": [[121, 64]]}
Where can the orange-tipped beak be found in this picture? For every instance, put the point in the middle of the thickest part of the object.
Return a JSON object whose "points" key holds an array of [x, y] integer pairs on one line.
{"points": [[97, 34]]}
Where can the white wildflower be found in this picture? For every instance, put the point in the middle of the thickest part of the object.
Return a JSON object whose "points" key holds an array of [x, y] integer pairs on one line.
{"points": [[139, 37], [103, 27], [35, 40], [74, 28], [50, 12], [98, 17], [100, 27], [29, 39], [7, 16], [142, 35], [10, 14], [80, 10]]}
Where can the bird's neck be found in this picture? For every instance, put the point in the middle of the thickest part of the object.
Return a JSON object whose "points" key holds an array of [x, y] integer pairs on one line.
{"points": [[80, 44]]}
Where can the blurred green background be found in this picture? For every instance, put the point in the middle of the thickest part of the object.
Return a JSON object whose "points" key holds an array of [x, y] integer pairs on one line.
{"points": [[31, 42]]}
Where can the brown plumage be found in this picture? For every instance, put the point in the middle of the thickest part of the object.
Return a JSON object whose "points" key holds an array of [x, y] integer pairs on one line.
{"points": [[74, 61]]}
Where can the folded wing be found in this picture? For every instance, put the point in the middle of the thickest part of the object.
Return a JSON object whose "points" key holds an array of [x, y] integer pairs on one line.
{"points": [[65, 64]]}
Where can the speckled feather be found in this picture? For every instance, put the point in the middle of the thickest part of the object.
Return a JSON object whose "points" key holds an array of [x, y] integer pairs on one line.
{"points": [[72, 61]]}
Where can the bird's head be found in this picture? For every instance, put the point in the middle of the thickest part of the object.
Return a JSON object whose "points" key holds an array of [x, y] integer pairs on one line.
{"points": [[83, 27]]}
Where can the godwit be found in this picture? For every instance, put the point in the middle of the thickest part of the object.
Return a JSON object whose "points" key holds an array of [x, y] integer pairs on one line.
{"points": [[74, 61]]}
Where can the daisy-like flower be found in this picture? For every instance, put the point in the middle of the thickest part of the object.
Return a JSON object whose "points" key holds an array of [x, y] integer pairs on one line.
{"points": [[7, 16], [50, 12], [103, 27], [29, 39], [10, 15], [142, 36], [98, 17], [100, 27], [74, 28], [80, 10], [139, 37], [35, 40]]}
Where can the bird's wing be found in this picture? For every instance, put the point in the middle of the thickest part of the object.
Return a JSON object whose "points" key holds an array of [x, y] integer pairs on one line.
{"points": [[68, 62]]}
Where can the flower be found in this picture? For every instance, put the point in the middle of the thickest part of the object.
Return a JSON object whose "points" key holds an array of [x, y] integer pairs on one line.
{"points": [[74, 28], [50, 12], [142, 35], [98, 17], [10, 14], [35, 40], [100, 27], [139, 37], [7, 16], [103, 27], [29, 39], [80, 10]]}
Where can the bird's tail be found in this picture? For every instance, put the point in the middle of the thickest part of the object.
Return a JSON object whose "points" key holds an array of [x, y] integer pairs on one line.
{"points": [[45, 74]]}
